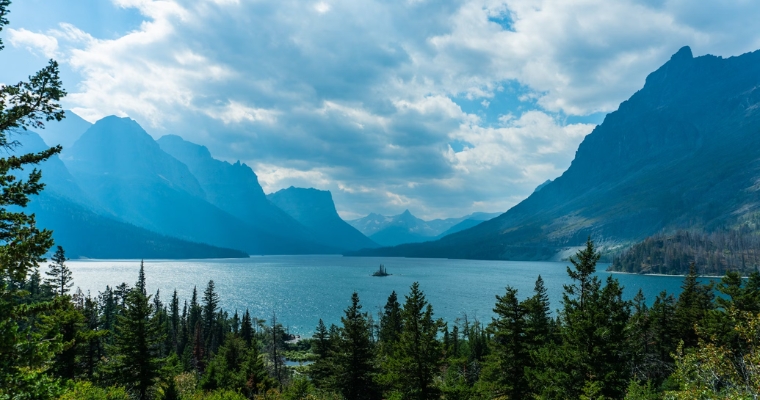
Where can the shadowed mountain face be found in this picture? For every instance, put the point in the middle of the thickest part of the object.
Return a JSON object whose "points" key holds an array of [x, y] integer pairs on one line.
{"points": [[129, 175], [315, 209], [85, 230], [235, 189], [683, 152]]}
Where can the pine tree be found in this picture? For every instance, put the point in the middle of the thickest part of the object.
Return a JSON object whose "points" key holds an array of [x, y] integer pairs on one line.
{"points": [[390, 324], [246, 328], [59, 276], [322, 369], [175, 318], [210, 306], [134, 360], [355, 365], [592, 349], [417, 358], [504, 374], [692, 307], [140, 286]]}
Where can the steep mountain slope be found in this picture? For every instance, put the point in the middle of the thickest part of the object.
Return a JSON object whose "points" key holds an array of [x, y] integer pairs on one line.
{"points": [[683, 152], [85, 231], [127, 173], [316, 210], [235, 189]]}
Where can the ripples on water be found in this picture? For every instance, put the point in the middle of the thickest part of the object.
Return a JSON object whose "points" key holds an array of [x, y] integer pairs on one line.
{"points": [[303, 289]]}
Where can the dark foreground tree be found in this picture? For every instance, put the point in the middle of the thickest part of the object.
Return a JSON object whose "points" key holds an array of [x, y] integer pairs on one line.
{"points": [[137, 339], [416, 360], [355, 361]]}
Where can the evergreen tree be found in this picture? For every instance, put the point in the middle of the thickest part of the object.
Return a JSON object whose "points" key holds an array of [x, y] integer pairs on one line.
{"points": [[355, 364], [175, 318], [140, 286], [390, 324], [322, 369], [538, 322], [692, 306], [59, 275], [210, 306], [246, 328], [412, 369], [504, 375], [24, 352], [134, 360], [592, 352]]}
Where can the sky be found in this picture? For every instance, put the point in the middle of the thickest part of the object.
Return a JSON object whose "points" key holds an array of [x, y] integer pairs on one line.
{"points": [[442, 107]]}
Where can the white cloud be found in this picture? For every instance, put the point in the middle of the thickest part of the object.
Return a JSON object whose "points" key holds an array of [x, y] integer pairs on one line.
{"points": [[34, 42]]}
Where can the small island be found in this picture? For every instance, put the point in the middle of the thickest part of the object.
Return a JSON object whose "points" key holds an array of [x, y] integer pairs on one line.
{"points": [[381, 271]]}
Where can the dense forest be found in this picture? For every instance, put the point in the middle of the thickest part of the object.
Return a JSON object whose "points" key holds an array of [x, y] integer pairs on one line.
{"points": [[124, 343], [712, 253]]}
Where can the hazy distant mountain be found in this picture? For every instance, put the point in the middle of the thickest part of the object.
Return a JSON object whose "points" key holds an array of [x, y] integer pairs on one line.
{"points": [[406, 228], [64, 132], [683, 152], [469, 221], [87, 231], [235, 189], [127, 173], [316, 210]]}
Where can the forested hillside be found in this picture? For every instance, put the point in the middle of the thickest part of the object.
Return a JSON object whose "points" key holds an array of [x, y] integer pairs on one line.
{"points": [[713, 253]]}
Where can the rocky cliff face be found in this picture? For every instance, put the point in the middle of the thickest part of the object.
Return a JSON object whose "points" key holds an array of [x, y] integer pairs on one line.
{"points": [[315, 209]]}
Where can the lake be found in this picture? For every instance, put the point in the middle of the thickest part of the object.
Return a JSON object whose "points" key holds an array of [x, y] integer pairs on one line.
{"points": [[303, 289]]}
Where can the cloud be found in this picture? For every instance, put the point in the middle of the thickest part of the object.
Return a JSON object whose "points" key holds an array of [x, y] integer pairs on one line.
{"points": [[45, 44], [442, 107]]}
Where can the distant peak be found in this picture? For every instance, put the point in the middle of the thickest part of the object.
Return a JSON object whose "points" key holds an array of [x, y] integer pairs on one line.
{"points": [[684, 53]]}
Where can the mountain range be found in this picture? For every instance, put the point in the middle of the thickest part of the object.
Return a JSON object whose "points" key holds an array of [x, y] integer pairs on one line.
{"points": [[115, 192], [406, 228], [682, 152]]}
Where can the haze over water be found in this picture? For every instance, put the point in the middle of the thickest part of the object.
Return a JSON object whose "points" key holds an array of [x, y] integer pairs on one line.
{"points": [[303, 289]]}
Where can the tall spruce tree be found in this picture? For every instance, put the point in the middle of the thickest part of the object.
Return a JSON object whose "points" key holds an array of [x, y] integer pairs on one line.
{"points": [[355, 362], [210, 308], [390, 324], [591, 356], [134, 360], [59, 275], [692, 307], [504, 374], [412, 369], [246, 328]]}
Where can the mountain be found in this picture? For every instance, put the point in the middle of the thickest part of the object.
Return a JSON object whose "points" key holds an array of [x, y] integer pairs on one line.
{"points": [[469, 221], [682, 152], [64, 132], [406, 228], [316, 210], [127, 173], [235, 189], [65, 209]]}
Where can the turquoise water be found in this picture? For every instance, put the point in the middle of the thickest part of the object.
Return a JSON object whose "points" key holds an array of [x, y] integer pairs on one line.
{"points": [[303, 289]]}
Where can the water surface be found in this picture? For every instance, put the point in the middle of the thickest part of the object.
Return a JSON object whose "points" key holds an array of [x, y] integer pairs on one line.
{"points": [[303, 289]]}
